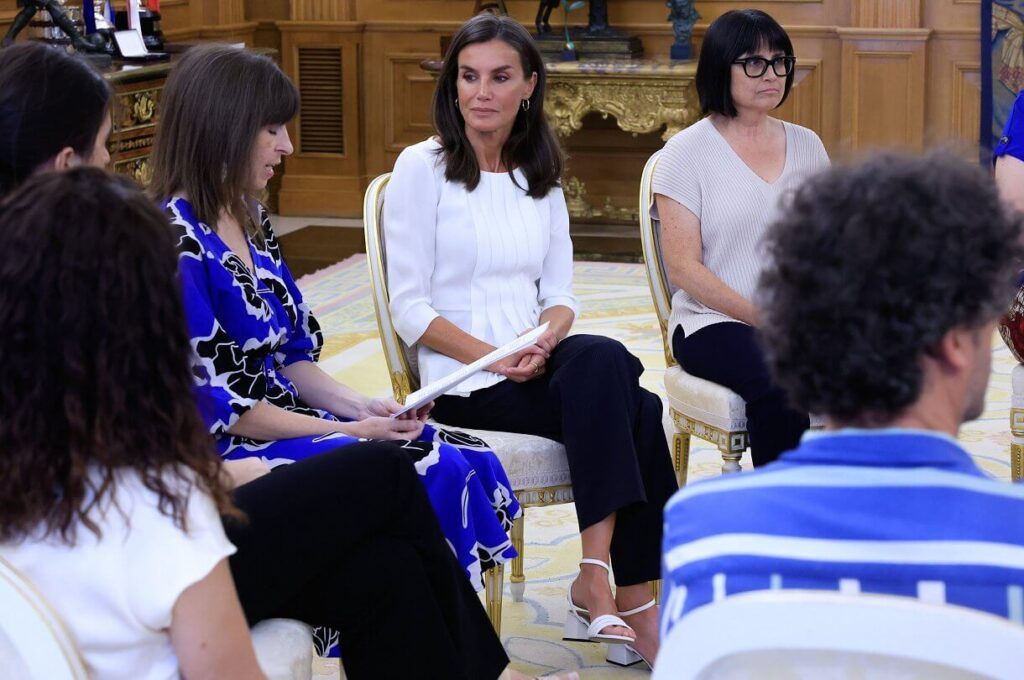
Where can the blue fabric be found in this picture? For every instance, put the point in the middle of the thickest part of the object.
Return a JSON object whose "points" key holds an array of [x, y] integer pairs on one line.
{"points": [[886, 509], [1011, 143], [245, 328]]}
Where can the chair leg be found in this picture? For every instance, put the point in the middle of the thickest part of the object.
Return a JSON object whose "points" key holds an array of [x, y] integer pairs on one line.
{"points": [[1016, 462], [494, 584], [731, 460], [518, 579], [681, 456]]}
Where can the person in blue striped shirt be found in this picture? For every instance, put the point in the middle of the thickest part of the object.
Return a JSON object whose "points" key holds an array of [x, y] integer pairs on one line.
{"points": [[885, 284]]}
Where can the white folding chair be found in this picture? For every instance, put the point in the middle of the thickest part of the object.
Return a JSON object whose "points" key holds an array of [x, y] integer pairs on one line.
{"points": [[536, 467], [34, 645], [817, 635]]}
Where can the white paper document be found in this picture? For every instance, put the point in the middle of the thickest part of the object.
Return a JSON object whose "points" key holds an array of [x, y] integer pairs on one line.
{"points": [[428, 393]]}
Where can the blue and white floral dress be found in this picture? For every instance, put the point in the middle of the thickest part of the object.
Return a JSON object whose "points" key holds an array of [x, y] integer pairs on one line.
{"points": [[248, 325]]}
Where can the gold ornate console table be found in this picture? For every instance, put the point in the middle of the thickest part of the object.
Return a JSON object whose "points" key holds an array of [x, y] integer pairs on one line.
{"points": [[642, 95]]}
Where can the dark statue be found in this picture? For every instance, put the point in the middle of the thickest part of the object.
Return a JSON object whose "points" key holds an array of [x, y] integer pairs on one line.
{"points": [[29, 8], [683, 16], [596, 41], [597, 24]]}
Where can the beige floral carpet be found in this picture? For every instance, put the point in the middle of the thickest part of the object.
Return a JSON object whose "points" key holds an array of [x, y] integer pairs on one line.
{"points": [[615, 303]]}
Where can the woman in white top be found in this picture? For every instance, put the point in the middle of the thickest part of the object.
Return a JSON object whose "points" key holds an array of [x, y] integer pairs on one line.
{"points": [[477, 236], [717, 185], [111, 502]]}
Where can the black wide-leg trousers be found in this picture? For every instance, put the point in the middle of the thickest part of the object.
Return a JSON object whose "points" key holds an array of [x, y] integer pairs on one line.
{"points": [[728, 354], [590, 399], [348, 539]]}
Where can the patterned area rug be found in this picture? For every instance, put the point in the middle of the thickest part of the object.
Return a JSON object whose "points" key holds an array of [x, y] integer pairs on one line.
{"points": [[616, 303]]}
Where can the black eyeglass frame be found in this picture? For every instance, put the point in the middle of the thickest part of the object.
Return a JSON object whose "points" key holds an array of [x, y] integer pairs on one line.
{"points": [[787, 61]]}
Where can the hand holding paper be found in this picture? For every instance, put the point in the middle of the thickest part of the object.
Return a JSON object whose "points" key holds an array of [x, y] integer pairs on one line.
{"points": [[435, 389]]}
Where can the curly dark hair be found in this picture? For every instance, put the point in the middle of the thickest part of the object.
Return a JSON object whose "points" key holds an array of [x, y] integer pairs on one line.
{"points": [[98, 378], [871, 265]]}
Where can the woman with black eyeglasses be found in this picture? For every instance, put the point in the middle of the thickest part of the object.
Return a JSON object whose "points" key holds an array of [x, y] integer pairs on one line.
{"points": [[717, 184]]}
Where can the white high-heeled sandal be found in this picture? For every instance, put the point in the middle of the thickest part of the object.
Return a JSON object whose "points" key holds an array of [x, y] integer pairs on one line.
{"points": [[626, 655], [579, 626]]}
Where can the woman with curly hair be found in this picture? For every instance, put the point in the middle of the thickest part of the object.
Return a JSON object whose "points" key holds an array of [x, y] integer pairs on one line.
{"points": [[99, 424]]}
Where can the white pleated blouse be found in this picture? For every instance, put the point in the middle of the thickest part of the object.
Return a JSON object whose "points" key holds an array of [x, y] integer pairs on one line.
{"points": [[488, 260]]}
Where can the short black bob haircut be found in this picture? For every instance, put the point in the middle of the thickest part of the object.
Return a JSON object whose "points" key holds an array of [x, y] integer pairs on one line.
{"points": [[729, 37]]}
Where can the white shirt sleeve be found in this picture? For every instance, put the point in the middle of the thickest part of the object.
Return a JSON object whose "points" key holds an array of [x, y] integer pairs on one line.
{"points": [[410, 225], [556, 275], [160, 560]]}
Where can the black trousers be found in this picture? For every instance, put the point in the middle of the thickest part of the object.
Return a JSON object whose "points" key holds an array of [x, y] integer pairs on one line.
{"points": [[348, 539], [590, 399], [728, 354]]}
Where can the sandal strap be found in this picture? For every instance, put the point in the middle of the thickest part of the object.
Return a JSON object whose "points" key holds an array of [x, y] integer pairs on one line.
{"points": [[641, 608], [596, 563], [602, 622]]}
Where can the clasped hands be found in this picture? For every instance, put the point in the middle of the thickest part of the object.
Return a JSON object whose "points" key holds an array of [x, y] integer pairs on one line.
{"points": [[530, 362]]}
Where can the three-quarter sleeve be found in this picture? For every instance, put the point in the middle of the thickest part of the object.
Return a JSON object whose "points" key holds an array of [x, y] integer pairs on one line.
{"points": [[305, 337], [227, 382], [555, 287], [410, 225]]}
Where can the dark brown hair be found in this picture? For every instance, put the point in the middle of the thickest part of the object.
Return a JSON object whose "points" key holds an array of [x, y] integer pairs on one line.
{"points": [[98, 378], [49, 100], [216, 101], [531, 147]]}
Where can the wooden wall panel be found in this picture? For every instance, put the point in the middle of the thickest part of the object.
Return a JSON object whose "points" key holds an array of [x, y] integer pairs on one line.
{"points": [[883, 88], [408, 92], [804, 105], [871, 72]]}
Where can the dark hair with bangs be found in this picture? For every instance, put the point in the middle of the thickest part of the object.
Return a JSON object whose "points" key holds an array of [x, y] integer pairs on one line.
{"points": [[729, 37], [216, 101], [100, 378], [531, 147], [49, 100]]}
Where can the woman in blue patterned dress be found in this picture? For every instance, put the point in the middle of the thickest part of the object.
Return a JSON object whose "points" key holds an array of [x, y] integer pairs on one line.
{"points": [[221, 133]]}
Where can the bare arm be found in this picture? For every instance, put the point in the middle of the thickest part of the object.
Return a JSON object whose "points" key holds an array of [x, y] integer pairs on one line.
{"points": [[681, 245], [266, 422], [209, 632], [321, 391], [1010, 180]]}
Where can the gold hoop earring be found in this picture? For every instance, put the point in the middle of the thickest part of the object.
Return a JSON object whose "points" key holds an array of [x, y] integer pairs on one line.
{"points": [[526, 105], [457, 104]]}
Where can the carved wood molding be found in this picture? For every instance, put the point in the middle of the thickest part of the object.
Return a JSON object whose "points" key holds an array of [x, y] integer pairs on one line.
{"points": [[640, 103], [911, 34]]}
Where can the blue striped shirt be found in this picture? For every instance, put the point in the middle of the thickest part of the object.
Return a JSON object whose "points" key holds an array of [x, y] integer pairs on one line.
{"points": [[898, 512]]}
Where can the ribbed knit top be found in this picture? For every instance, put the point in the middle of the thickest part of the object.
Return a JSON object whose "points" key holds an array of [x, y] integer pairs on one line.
{"points": [[699, 170]]}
